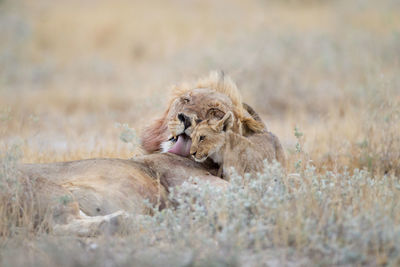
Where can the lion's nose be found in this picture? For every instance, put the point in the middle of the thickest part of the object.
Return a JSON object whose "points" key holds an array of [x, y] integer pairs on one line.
{"points": [[185, 119], [194, 154]]}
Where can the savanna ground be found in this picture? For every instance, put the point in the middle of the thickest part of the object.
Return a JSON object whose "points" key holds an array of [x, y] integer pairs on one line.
{"points": [[80, 79]]}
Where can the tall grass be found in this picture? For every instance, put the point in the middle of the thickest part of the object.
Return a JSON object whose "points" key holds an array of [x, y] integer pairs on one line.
{"points": [[16, 198], [299, 218], [21, 212]]}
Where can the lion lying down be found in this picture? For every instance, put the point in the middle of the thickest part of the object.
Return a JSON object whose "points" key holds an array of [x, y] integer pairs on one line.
{"points": [[99, 189]]}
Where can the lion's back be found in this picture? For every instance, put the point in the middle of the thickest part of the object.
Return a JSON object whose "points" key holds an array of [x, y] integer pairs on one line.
{"points": [[268, 145]]}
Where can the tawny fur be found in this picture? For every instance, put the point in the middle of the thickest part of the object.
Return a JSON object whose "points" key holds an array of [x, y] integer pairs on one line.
{"points": [[216, 140], [99, 187], [104, 186], [215, 92]]}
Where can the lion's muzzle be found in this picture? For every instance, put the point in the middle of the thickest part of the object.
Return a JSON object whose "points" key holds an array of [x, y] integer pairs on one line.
{"points": [[186, 120]]}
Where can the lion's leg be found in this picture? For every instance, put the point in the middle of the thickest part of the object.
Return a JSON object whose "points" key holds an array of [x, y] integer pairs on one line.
{"points": [[86, 226], [58, 207], [52, 203], [61, 208]]}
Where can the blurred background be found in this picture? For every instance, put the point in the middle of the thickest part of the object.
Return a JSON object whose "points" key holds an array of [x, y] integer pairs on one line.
{"points": [[77, 78]]}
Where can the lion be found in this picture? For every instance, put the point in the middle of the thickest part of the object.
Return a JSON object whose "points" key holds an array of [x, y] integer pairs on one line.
{"points": [[99, 189], [215, 139], [104, 191], [209, 98], [212, 98]]}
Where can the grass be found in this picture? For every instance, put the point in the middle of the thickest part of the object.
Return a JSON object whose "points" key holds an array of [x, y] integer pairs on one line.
{"points": [[81, 80]]}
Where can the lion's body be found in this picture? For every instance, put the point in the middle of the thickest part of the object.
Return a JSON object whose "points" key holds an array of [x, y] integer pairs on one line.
{"points": [[98, 187], [102, 186]]}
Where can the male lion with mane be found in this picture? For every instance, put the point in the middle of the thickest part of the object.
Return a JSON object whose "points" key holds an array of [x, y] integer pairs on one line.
{"points": [[99, 189]]}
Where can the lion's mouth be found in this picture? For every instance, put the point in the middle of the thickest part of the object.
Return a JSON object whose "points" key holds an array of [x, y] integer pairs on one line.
{"points": [[181, 145]]}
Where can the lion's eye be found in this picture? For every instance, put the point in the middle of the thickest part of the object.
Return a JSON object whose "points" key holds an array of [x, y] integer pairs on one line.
{"points": [[202, 137], [185, 100]]}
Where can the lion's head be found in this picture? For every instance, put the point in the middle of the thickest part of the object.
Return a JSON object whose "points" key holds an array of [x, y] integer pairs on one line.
{"points": [[209, 98], [209, 136]]}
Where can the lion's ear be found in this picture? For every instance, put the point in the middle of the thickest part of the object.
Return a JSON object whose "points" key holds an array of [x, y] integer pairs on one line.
{"points": [[226, 123]]}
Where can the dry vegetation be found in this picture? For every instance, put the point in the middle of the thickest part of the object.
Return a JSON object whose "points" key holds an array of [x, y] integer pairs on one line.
{"points": [[72, 71]]}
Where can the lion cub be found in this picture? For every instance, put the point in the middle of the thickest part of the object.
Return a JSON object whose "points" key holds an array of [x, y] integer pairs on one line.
{"points": [[215, 139]]}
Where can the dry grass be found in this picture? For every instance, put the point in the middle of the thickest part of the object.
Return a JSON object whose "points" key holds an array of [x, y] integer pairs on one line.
{"points": [[70, 71]]}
